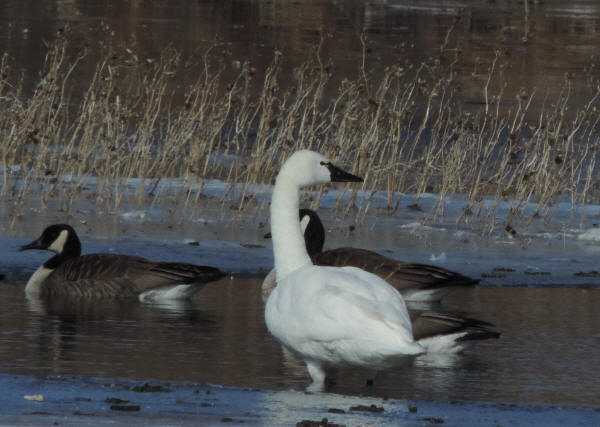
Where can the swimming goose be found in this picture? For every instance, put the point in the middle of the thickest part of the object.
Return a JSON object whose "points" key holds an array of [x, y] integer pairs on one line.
{"points": [[416, 282], [329, 316], [69, 273]]}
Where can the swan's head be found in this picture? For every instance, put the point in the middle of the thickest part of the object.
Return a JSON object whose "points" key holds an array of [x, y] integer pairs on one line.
{"points": [[58, 238], [308, 168]]}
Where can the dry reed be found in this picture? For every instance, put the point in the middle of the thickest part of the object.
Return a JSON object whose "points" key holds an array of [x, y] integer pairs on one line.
{"points": [[405, 130]]}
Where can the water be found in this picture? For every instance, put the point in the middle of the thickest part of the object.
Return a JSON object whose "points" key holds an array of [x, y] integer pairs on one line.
{"points": [[541, 46], [548, 349]]}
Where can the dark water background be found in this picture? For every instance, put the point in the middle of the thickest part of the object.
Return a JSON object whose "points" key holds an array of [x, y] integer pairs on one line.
{"points": [[544, 46], [548, 352]]}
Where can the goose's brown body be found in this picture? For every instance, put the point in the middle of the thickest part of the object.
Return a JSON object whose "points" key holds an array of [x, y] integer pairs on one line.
{"points": [[121, 276], [406, 277], [69, 273]]}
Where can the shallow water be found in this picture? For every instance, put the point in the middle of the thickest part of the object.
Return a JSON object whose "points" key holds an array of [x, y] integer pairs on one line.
{"points": [[549, 345]]}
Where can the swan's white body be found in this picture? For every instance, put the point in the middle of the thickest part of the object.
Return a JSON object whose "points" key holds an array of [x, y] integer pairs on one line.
{"points": [[339, 316]]}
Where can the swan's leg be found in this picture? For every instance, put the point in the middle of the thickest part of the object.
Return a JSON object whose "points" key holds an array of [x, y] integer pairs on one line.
{"points": [[317, 374], [371, 377]]}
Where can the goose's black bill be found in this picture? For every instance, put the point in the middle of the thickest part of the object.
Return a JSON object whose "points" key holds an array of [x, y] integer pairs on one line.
{"points": [[36, 244], [340, 175]]}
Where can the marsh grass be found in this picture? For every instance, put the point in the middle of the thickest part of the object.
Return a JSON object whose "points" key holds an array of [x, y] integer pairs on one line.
{"points": [[144, 120]]}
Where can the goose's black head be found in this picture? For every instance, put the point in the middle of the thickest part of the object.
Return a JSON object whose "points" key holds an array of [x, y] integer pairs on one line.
{"points": [[58, 238], [314, 231]]}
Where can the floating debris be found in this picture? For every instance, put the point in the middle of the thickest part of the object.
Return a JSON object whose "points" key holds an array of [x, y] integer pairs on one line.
{"points": [[510, 230], [34, 397], [434, 420], [127, 408], [504, 269], [493, 275], [115, 400], [148, 388], [592, 273], [252, 246], [336, 411], [537, 273], [83, 399], [323, 423], [372, 408]]}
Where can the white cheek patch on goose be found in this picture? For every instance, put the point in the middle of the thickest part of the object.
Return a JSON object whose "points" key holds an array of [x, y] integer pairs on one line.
{"points": [[34, 285], [59, 244], [304, 222]]}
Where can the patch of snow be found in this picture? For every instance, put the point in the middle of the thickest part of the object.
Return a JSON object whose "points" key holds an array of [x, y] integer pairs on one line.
{"points": [[593, 235], [436, 258], [134, 215]]}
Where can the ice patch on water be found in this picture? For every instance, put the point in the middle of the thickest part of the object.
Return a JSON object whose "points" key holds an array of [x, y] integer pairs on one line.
{"points": [[415, 226], [591, 235], [135, 215], [436, 258]]}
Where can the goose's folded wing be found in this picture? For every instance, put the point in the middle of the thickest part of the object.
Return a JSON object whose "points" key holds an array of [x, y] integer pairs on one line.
{"points": [[100, 275], [399, 274], [427, 324]]}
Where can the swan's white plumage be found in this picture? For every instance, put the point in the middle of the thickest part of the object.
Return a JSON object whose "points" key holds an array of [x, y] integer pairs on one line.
{"points": [[328, 315], [334, 315]]}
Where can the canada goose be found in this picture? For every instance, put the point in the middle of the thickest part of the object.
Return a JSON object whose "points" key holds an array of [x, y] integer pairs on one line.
{"points": [[416, 282], [69, 273], [337, 316]]}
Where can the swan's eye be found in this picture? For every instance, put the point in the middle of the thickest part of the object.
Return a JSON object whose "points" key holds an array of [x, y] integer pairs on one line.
{"points": [[327, 165]]}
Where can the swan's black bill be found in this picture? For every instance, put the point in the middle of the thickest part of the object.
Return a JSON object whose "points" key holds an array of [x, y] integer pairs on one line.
{"points": [[36, 244], [339, 175]]}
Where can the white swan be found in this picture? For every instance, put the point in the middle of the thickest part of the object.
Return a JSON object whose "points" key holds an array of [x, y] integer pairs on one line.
{"points": [[336, 316]]}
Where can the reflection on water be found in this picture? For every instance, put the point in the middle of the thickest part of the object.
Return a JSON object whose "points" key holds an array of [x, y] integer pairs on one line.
{"points": [[548, 349], [540, 44]]}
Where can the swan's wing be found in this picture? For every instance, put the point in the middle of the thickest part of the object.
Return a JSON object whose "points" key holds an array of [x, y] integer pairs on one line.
{"points": [[374, 294], [329, 304]]}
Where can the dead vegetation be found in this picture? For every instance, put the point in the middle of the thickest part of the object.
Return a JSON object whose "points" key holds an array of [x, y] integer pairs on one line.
{"points": [[405, 131]]}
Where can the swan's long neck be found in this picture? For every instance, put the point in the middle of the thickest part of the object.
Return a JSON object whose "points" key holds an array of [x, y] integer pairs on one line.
{"points": [[289, 248]]}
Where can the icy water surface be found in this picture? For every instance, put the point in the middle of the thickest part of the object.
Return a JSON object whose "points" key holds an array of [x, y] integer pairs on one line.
{"points": [[547, 354]]}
